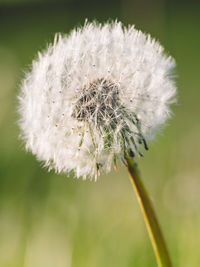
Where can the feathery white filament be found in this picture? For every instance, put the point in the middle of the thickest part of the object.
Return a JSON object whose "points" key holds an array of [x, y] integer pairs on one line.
{"points": [[94, 93]]}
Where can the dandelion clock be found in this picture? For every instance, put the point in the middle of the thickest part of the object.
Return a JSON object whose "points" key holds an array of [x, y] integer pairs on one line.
{"points": [[95, 98]]}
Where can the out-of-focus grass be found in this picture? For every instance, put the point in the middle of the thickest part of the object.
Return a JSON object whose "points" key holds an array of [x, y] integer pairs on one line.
{"points": [[53, 220]]}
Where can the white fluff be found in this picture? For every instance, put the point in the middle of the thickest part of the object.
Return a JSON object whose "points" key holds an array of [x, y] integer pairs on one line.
{"points": [[94, 56]]}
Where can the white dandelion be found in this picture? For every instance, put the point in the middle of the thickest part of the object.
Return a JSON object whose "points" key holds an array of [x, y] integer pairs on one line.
{"points": [[93, 95]]}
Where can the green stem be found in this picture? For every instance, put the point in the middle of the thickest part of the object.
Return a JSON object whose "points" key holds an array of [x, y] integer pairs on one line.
{"points": [[151, 221]]}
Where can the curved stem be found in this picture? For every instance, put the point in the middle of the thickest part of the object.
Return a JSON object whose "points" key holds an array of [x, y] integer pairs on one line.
{"points": [[151, 221]]}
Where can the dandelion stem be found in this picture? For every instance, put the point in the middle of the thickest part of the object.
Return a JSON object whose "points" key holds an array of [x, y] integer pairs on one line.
{"points": [[151, 221]]}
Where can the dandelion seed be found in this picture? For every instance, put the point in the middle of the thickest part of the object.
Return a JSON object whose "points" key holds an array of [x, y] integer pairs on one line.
{"points": [[106, 88]]}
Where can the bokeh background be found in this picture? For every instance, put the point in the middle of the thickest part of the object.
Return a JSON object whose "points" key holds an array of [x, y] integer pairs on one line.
{"points": [[51, 220]]}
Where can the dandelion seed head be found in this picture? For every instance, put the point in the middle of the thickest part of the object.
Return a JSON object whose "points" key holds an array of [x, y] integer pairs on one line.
{"points": [[93, 94]]}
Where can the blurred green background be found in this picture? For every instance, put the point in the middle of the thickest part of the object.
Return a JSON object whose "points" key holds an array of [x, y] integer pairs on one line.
{"points": [[58, 221]]}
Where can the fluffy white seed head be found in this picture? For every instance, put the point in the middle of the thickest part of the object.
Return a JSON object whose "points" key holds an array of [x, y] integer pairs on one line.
{"points": [[92, 95]]}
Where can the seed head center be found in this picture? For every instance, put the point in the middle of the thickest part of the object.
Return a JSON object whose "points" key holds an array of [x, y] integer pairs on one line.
{"points": [[98, 103]]}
